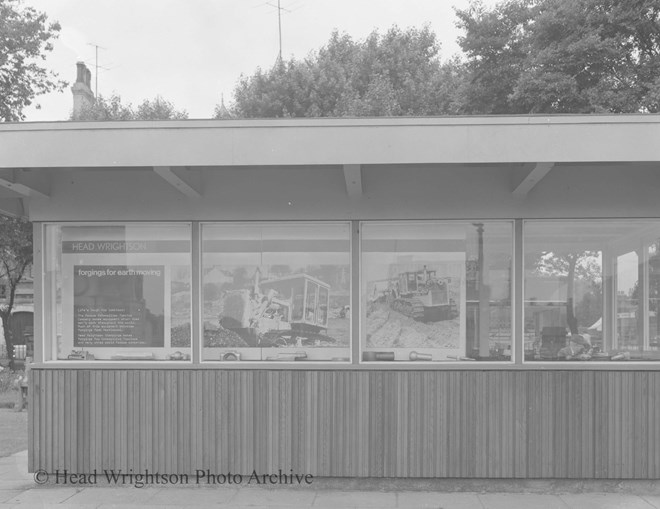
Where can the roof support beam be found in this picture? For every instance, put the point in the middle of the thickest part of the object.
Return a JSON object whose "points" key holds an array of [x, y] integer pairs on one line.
{"points": [[353, 178], [524, 180], [18, 182], [177, 181]]}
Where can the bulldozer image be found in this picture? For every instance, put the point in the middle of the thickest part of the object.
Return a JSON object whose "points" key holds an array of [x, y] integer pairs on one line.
{"points": [[423, 296], [288, 311]]}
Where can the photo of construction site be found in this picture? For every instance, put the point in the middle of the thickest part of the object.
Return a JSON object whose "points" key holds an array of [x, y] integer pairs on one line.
{"points": [[289, 299], [418, 307], [436, 291]]}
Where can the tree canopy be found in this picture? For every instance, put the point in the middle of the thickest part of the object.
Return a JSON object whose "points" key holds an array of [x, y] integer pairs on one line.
{"points": [[519, 57], [397, 73], [26, 37], [112, 108], [15, 257], [561, 56], [574, 265]]}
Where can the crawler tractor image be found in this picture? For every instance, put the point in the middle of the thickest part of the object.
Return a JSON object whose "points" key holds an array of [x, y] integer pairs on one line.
{"points": [[422, 296], [288, 311]]}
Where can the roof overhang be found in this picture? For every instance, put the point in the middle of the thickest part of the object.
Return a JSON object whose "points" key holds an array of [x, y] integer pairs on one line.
{"points": [[399, 140], [178, 155]]}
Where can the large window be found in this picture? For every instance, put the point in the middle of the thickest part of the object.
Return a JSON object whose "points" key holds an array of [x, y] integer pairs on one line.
{"points": [[118, 292], [276, 292], [429, 291], [592, 290], [436, 291]]}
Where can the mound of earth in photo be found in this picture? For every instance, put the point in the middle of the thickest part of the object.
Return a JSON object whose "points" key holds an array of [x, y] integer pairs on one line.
{"points": [[387, 328], [221, 337], [180, 335]]}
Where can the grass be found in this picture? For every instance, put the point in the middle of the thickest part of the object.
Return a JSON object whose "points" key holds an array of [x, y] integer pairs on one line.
{"points": [[13, 430], [8, 392], [7, 378], [7, 388], [8, 398]]}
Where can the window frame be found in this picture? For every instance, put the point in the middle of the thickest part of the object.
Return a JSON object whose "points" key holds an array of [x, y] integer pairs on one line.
{"points": [[42, 313], [446, 364], [311, 364], [608, 300], [42, 350]]}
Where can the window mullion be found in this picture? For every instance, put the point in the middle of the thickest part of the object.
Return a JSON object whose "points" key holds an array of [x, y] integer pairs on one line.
{"points": [[518, 308]]}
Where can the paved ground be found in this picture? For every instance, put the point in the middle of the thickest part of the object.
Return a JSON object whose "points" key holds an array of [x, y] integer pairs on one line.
{"points": [[13, 431], [18, 489]]}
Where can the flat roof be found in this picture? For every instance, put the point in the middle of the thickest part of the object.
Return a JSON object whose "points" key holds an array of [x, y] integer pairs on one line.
{"points": [[331, 141], [525, 166]]}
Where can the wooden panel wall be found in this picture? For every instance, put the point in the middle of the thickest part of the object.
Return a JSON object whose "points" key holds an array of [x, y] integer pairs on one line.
{"points": [[499, 424]]}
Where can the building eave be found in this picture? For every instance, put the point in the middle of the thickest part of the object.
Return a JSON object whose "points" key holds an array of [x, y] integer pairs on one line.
{"points": [[331, 141]]}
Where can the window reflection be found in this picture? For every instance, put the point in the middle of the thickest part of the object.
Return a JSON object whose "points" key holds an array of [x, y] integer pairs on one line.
{"points": [[589, 290]]}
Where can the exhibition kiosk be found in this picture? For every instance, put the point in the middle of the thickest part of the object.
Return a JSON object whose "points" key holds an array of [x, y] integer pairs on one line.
{"points": [[463, 297]]}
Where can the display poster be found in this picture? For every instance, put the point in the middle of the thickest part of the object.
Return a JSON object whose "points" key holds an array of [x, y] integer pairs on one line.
{"points": [[271, 306], [119, 306], [276, 287], [415, 293]]}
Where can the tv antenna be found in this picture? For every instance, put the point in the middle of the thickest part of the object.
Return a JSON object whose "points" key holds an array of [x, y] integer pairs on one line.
{"points": [[96, 67], [279, 22]]}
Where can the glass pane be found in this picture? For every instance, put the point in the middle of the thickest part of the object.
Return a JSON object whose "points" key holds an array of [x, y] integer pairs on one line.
{"points": [[436, 291], [118, 292], [590, 290], [629, 332], [324, 305], [654, 294], [311, 306], [275, 292]]}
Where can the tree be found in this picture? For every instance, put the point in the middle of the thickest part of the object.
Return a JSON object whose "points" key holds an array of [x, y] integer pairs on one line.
{"points": [[105, 109], [112, 108], [398, 73], [561, 56], [15, 258], [25, 39], [520, 57], [159, 109], [573, 265]]}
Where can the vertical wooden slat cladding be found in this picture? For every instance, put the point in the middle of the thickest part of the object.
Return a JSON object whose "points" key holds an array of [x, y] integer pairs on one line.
{"points": [[523, 424]]}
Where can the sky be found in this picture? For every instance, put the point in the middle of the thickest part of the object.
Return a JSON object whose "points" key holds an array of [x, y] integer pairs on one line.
{"points": [[193, 52]]}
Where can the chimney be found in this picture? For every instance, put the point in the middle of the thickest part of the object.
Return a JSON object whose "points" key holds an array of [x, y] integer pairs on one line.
{"points": [[83, 96]]}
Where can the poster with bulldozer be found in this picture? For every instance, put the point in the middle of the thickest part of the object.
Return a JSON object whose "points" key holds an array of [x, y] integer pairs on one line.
{"points": [[414, 293], [271, 310], [291, 305], [419, 307]]}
